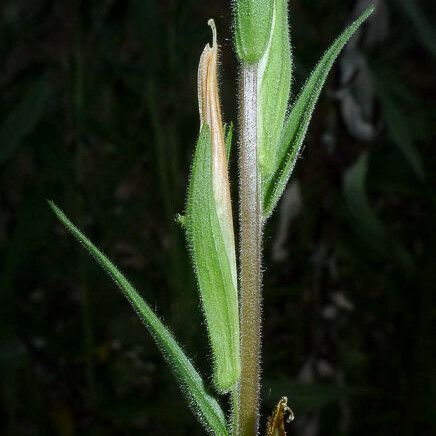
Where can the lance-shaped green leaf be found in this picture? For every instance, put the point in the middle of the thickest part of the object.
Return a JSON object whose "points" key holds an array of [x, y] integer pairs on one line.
{"points": [[273, 90], [209, 227], [296, 125], [204, 405], [252, 28]]}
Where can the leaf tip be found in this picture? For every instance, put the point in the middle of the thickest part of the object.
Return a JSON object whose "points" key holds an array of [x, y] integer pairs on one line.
{"points": [[53, 206], [367, 13]]}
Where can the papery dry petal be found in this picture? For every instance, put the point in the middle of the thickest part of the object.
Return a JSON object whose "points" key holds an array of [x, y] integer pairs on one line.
{"points": [[210, 113], [276, 423]]}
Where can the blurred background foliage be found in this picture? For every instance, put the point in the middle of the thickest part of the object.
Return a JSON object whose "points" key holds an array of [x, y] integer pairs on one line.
{"points": [[98, 112]]}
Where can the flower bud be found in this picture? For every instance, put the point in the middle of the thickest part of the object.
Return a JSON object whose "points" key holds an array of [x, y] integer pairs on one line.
{"points": [[252, 28]]}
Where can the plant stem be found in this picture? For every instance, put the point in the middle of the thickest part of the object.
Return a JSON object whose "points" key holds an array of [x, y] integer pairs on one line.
{"points": [[250, 255]]}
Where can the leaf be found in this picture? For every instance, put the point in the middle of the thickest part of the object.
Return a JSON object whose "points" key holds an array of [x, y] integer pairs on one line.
{"points": [[273, 90], [23, 118], [400, 131], [370, 226], [204, 405], [214, 263], [295, 127]]}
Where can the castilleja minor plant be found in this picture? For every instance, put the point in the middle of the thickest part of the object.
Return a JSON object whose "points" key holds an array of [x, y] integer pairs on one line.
{"points": [[271, 130]]}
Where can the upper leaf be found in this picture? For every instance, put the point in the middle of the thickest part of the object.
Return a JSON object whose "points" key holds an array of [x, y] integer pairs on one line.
{"points": [[204, 405], [295, 127], [273, 89]]}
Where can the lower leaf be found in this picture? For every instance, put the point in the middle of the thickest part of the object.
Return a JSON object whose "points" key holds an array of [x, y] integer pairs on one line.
{"points": [[204, 405]]}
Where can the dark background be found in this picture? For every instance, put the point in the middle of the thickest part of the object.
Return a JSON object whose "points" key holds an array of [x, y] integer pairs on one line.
{"points": [[98, 112]]}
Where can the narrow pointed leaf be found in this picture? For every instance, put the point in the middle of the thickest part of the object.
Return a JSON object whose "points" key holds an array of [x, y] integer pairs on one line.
{"points": [[204, 405], [296, 125], [400, 132], [273, 90], [358, 204], [366, 223]]}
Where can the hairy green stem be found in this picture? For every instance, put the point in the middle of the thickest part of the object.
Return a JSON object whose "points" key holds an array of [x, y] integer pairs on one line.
{"points": [[250, 255]]}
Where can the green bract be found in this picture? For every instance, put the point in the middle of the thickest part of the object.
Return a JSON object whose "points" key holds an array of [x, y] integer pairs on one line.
{"points": [[215, 267], [273, 89], [295, 126], [209, 225], [252, 28], [205, 406]]}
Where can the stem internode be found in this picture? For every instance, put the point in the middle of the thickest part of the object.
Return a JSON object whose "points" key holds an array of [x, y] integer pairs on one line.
{"points": [[250, 256]]}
